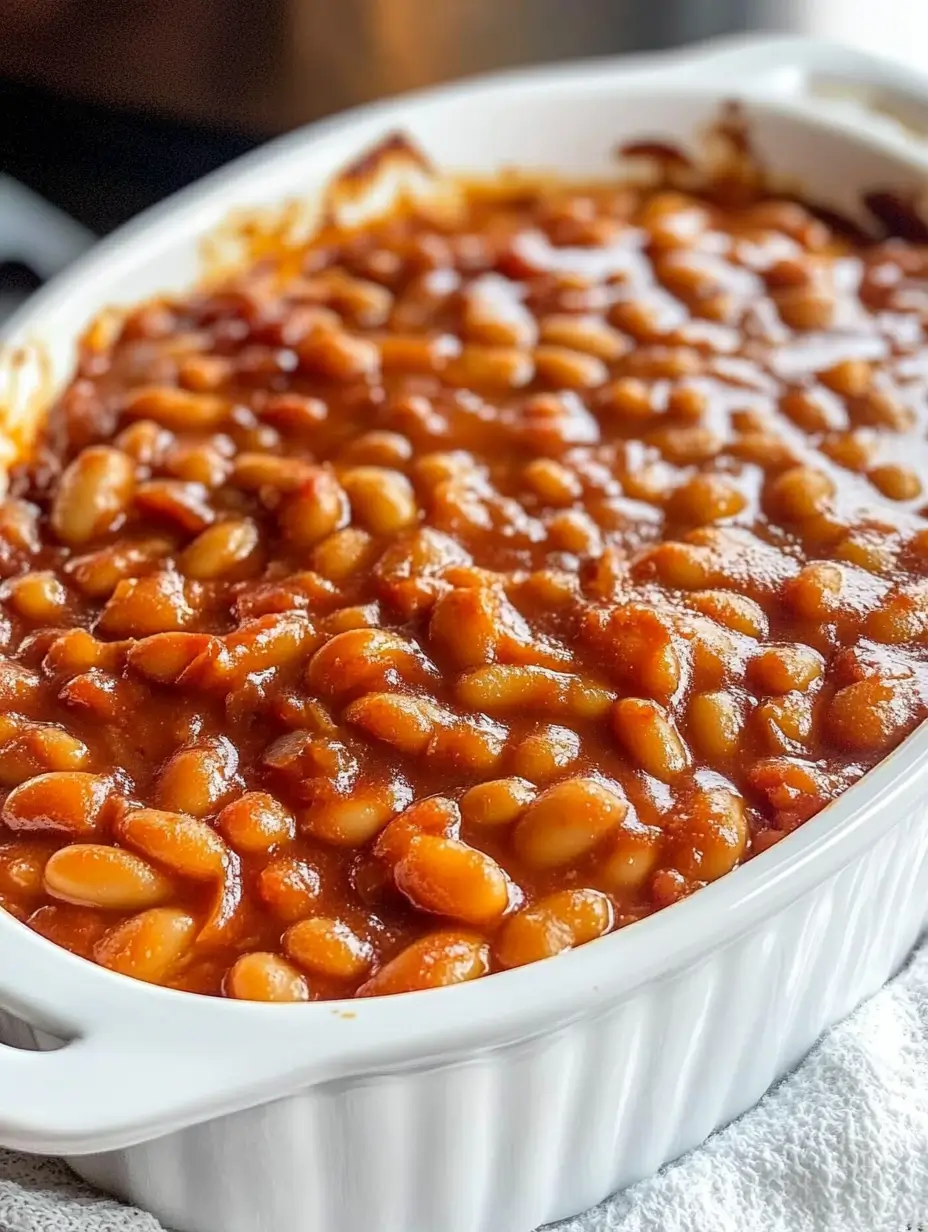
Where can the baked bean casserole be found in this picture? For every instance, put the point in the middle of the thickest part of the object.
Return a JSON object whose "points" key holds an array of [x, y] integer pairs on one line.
{"points": [[437, 597]]}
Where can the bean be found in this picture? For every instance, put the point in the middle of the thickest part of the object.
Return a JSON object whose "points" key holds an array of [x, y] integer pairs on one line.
{"points": [[813, 411], [19, 525], [365, 659], [277, 639], [502, 687], [256, 822], [801, 492], [683, 447], [779, 669], [715, 723], [203, 373], [816, 593], [885, 409], [445, 876], [771, 453], [328, 947], [408, 723], [573, 530], [219, 549], [709, 836], [871, 715], [902, 618], [338, 356], [434, 815], [567, 821], [99, 695], [92, 875], [486, 367], [642, 649], [22, 868], [37, 597], [684, 566], [804, 309], [648, 732], [378, 448], [184, 505], [39, 748], [795, 789], [498, 802], [97, 574], [289, 887], [854, 450], [849, 377], [552, 482], [77, 650], [364, 303], [316, 510], [870, 549], [556, 923], [587, 334], [145, 442], [716, 654], [352, 820], [343, 553], [434, 961], [707, 498], [629, 398], [736, 612], [294, 412], [269, 475], [415, 353], [265, 977], [632, 856], [178, 409], [382, 499], [469, 624], [784, 723], [139, 607], [165, 657], [359, 616], [93, 495], [180, 842], [544, 753], [898, 483], [197, 779], [69, 802], [148, 946], [569, 369], [18, 685], [494, 316]]}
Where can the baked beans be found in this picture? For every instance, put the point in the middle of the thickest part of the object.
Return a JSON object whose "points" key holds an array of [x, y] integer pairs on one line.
{"points": [[435, 599]]}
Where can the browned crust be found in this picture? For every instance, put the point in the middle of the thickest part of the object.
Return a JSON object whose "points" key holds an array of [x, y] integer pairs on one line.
{"points": [[395, 146]]}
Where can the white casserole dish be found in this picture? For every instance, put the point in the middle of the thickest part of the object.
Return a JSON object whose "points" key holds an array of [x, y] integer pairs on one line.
{"points": [[502, 1104]]}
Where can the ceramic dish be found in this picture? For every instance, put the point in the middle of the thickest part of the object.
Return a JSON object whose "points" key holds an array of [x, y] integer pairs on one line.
{"points": [[516, 1100]]}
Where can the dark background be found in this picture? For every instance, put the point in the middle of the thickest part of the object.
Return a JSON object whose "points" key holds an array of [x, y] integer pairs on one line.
{"points": [[109, 105]]}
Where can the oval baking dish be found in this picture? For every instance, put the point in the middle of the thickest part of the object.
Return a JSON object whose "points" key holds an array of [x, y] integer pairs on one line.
{"points": [[513, 1101]]}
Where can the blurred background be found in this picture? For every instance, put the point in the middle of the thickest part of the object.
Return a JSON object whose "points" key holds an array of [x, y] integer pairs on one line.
{"points": [[108, 107]]}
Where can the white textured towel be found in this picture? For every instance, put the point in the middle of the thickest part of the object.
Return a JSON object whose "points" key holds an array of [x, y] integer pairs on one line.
{"points": [[839, 1146]]}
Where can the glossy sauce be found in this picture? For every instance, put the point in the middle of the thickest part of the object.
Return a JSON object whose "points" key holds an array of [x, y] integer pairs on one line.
{"points": [[659, 459]]}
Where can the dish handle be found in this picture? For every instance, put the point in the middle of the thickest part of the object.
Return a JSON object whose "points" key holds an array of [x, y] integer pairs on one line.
{"points": [[86, 1096], [811, 71], [103, 1086]]}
